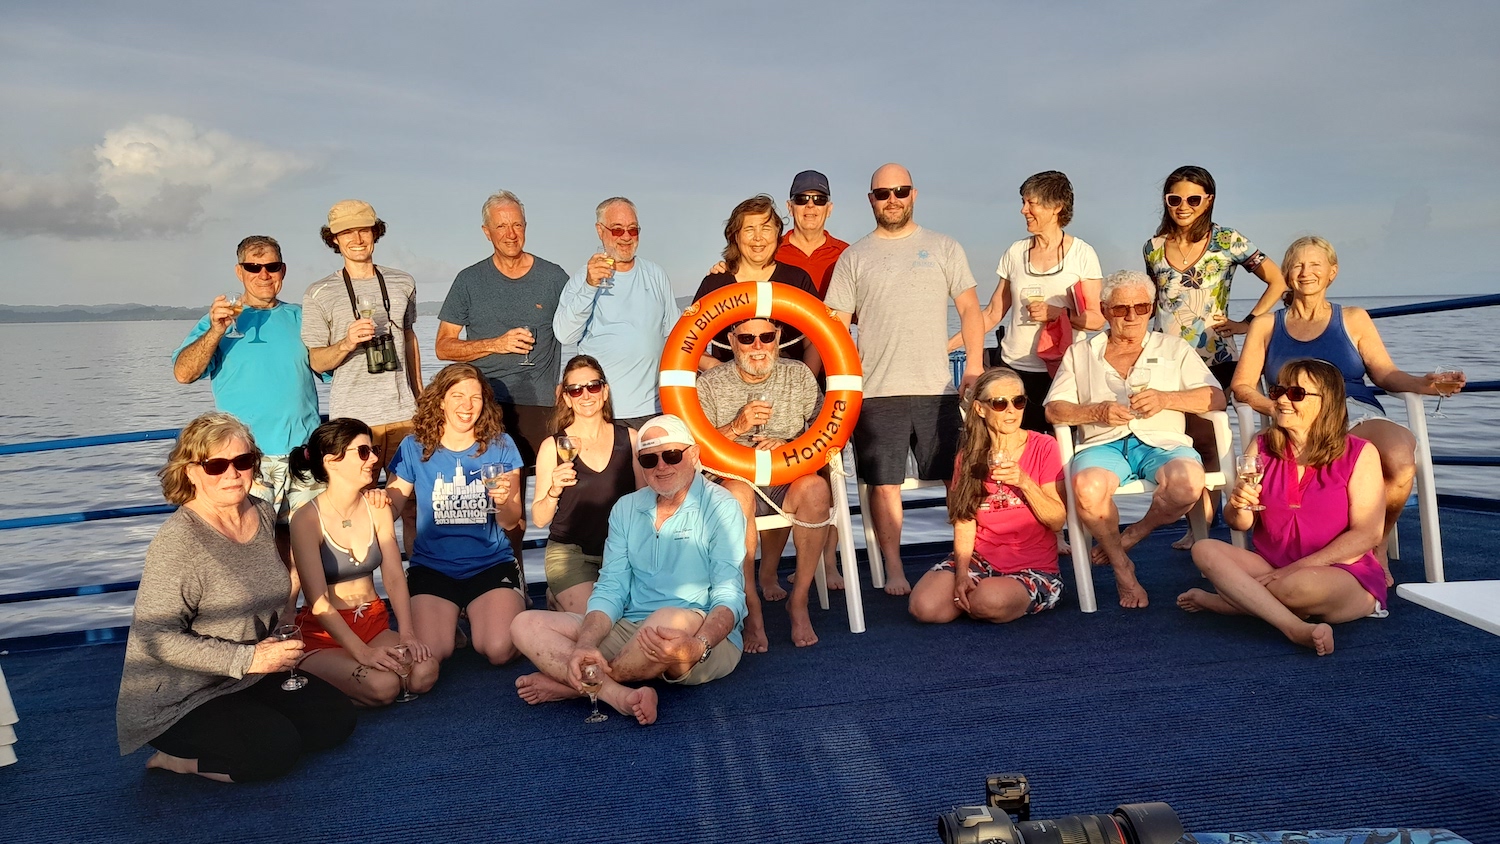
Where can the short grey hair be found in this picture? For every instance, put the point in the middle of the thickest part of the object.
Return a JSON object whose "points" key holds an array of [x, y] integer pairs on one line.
{"points": [[1123, 280], [613, 200], [497, 199], [256, 243]]}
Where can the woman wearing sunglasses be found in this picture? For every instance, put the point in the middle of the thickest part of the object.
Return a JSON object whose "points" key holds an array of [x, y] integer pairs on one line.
{"points": [[462, 559], [212, 592], [572, 495], [337, 544], [1036, 274], [1005, 505], [1312, 327], [1318, 520]]}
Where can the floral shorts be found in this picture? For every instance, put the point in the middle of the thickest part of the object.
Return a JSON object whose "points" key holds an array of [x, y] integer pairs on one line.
{"points": [[1044, 588]]}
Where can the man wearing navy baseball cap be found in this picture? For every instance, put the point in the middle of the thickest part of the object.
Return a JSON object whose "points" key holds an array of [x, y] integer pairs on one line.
{"points": [[808, 246]]}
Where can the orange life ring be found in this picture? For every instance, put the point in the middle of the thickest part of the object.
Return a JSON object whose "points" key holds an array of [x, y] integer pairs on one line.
{"points": [[688, 341]]}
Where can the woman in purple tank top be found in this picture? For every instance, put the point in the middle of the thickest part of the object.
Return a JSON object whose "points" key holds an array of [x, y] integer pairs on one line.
{"points": [[1313, 563]]}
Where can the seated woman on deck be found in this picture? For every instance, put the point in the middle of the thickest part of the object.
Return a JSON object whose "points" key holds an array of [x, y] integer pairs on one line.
{"points": [[1312, 327], [1005, 505], [337, 544], [212, 593], [571, 495], [1313, 563]]}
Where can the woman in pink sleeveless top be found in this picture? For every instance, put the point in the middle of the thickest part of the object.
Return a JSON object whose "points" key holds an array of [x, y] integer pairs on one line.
{"points": [[1314, 562]]}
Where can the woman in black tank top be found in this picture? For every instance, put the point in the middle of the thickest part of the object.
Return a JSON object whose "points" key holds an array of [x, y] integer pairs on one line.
{"points": [[571, 494]]}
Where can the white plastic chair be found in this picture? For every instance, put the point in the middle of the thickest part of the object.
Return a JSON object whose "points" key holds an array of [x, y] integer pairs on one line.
{"points": [[1079, 538], [1425, 490], [8, 719]]}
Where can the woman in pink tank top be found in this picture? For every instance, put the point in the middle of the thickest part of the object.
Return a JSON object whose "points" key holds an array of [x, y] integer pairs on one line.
{"points": [[1313, 562]]}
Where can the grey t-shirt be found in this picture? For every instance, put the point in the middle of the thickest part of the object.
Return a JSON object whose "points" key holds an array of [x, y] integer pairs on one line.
{"points": [[795, 400], [487, 303], [899, 288], [378, 398]]}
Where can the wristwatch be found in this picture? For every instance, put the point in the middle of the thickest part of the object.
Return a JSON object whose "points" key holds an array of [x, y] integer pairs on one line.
{"points": [[707, 649]]}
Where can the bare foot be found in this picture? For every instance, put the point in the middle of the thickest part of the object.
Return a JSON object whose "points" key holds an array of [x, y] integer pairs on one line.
{"points": [[802, 629], [771, 589], [1185, 543], [1132, 596], [1319, 637], [1194, 600], [175, 764], [895, 580], [832, 577], [755, 635], [539, 688], [641, 703], [1129, 538]]}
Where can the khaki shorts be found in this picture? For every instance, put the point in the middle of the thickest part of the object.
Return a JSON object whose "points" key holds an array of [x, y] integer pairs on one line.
{"points": [[568, 566], [285, 491], [722, 661], [388, 438]]}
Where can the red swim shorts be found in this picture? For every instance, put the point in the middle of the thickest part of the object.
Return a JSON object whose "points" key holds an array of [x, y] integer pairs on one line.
{"points": [[367, 621]]}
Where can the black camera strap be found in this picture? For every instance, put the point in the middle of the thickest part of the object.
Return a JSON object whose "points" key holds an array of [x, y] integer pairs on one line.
{"points": [[385, 298]]}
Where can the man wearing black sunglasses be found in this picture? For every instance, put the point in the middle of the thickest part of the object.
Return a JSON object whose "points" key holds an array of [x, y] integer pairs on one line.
{"points": [[670, 597], [897, 281], [808, 245], [1129, 388], [259, 372]]}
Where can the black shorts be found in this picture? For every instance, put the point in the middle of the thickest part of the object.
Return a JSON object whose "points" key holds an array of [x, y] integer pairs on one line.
{"points": [[421, 580], [889, 426], [528, 425], [1225, 373]]}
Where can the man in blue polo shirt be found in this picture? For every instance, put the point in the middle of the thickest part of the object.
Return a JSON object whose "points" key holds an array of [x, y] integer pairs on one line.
{"points": [[253, 354], [670, 598]]}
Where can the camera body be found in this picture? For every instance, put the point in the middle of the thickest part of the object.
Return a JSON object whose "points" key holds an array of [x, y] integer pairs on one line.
{"points": [[1010, 794]]}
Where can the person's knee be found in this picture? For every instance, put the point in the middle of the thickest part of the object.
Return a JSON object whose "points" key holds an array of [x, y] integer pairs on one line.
{"points": [[424, 675], [272, 755], [810, 493], [674, 617], [498, 649], [525, 627], [377, 688], [1208, 554], [1093, 488], [743, 494], [1182, 481], [926, 606]]}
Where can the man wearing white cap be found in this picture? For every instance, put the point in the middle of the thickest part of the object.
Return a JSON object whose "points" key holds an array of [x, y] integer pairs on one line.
{"points": [[670, 598]]}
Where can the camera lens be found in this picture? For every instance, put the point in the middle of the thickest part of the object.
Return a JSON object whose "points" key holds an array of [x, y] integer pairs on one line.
{"points": [[1132, 823]]}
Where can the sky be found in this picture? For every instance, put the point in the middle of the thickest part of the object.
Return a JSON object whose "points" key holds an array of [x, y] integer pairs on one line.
{"points": [[140, 141]]}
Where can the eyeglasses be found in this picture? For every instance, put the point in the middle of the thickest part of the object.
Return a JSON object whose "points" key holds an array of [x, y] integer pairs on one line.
{"points": [[254, 269], [621, 231], [219, 465], [1173, 200], [1001, 404], [1294, 393], [364, 451], [576, 390], [672, 456], [765, 337], [817, 199], [882, 194], [1121, 311]]}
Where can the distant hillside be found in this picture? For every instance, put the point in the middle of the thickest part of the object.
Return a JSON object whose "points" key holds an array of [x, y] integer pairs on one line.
{"points": [[95, 313]]}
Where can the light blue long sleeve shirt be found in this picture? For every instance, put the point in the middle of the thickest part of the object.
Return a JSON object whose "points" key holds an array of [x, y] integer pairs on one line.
{"points": [[693, 562], [625, 327]]}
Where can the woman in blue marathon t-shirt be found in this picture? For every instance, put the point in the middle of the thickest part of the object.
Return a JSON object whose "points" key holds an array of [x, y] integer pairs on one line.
{"points": [[462, 559]]}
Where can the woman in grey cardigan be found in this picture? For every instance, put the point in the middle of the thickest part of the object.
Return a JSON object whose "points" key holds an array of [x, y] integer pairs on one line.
{"points": [[212, 591]]}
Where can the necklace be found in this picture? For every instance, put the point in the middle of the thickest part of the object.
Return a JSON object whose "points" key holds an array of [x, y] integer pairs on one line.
{"points": [[347, 518]]}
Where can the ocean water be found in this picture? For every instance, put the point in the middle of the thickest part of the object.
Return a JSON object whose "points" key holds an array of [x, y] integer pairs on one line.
{"points": [[77, 379]]}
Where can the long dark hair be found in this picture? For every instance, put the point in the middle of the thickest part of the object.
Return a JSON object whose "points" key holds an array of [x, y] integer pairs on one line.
{"points": [[967, 490], [1328, 436], [427, 422], [562, 414], [330, 439], [1200, 177], [758, 204]]}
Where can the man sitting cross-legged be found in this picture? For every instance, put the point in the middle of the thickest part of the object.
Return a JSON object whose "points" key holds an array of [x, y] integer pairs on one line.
{"points": [[670, 598], [1129, 388]]}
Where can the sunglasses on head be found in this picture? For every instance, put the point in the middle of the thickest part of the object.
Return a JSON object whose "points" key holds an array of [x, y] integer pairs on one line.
{"points": [[1003, 403], [254, 269], [765, 337], [1120, 311], [882, 194], [672, 456], [621, 231], [364, 451], [219, 465], [1173, 200], [817, 199], [1293, 393], [576, 390]]}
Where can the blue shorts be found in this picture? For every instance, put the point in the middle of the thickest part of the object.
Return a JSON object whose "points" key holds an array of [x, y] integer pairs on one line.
{"points": [[1130, 459]]}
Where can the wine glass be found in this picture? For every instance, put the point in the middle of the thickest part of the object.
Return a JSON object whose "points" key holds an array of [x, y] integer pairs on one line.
{"points": [[567, 448], [1140, 379], [608, 281], [493, 475], [1029, 296], [404, 660], [286, 632], [234, 302], [593, 681], [1447, 381], [765, 396], [1251, 468], [997, 498], [527, 361]]}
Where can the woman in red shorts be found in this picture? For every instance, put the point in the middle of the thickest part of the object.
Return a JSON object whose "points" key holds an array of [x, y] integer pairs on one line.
{"points": [[337, 544]]}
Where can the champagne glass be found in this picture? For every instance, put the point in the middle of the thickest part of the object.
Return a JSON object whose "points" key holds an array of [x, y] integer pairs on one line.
{"points": [[404, 660], [527, 361], [1140, 379], [1251, 468], [765, 396], [493, 475], [1447, 381], [567, 448], [593, 681], [234, 302], [1030, 295], [287, 632], [997, 498]]}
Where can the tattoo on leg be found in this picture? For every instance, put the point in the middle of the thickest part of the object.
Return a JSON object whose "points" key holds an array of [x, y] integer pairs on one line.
{"points": [[359, 673]]}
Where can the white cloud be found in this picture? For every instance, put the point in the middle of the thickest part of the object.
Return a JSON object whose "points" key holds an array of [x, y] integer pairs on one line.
{"points": [[149, 177]]}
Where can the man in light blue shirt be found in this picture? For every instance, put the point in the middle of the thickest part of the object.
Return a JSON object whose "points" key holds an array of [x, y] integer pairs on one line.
{"points": [[619, 308], [670, 599]]}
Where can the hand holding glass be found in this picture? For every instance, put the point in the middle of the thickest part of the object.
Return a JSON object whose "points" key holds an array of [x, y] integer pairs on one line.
{"points": [[404, 660], [593, 682], [493, 475], [1250, 469], [234, 302], [283, 633], [1140, 379], [1031, 295], [567, 449], [1446, 380]]}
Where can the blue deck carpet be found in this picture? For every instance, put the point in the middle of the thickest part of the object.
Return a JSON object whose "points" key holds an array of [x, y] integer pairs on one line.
{"points": [[858, 739]]}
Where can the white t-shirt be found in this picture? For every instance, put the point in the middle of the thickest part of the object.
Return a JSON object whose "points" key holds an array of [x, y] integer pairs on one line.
{"points": [[1085, 378], [1018, 350]]}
